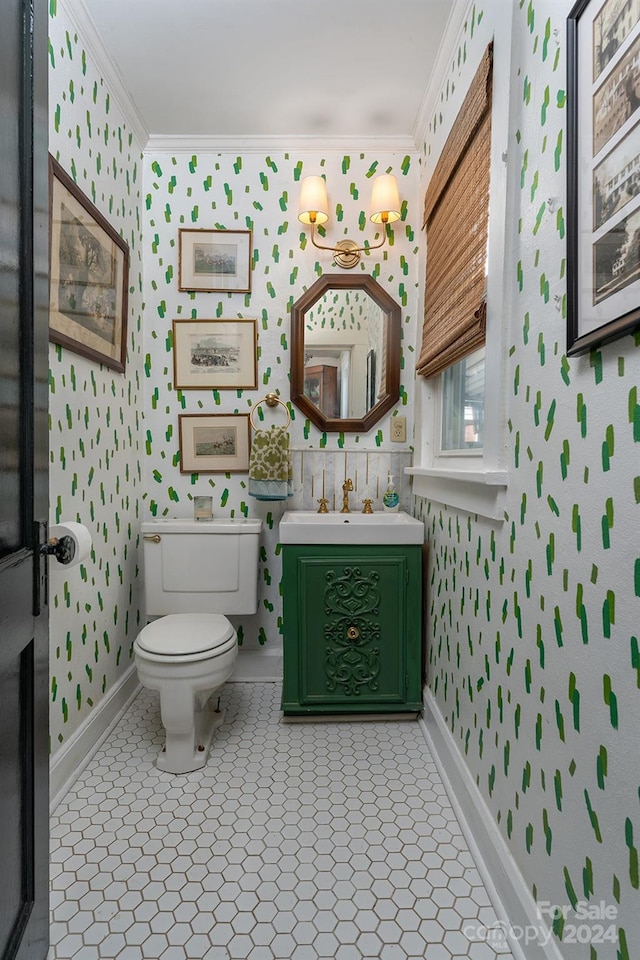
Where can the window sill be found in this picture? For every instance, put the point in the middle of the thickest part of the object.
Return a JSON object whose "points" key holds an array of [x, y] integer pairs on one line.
{"points": [[475, 491]]}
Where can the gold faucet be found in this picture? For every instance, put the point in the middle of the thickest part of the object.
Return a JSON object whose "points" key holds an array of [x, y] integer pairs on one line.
{"points": [[346, 487]]}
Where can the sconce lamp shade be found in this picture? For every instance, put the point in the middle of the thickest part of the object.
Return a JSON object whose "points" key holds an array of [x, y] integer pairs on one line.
{"points": [[385, 200], [313, 206]]}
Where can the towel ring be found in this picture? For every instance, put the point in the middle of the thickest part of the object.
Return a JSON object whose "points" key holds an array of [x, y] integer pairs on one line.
{"points": [[271, 400]]}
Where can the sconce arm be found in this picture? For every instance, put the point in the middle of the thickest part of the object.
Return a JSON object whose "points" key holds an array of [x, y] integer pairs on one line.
{"points": [[352, 250]]}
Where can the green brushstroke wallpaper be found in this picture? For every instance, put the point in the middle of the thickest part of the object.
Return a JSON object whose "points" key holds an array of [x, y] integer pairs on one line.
{"points": [[534, 659], [114, 438], [95, 414], [533, 622], [225, 191]]}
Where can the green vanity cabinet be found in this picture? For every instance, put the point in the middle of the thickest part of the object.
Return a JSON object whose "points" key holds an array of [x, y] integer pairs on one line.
{"points": [[352, 628]]}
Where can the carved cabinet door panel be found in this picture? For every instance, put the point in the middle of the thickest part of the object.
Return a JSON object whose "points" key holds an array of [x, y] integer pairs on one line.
{"points": [[352, 637]]}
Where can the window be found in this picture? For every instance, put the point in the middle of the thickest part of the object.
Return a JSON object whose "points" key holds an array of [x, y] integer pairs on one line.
{"points": [[460, 417], [463, 405]]}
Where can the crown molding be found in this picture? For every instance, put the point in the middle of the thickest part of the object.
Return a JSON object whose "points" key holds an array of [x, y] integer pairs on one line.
{"points": [[459, 11], [79, 17], [158, 143]]}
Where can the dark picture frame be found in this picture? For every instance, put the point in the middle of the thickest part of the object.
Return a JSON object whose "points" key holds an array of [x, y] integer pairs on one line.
{"points": [[89, 275], [603, 175], [214, 261], [215, 354], [371, 379], [214, 442]]}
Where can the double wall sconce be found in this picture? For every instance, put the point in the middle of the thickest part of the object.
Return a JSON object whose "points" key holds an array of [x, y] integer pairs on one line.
{"points": [[314, 209]]}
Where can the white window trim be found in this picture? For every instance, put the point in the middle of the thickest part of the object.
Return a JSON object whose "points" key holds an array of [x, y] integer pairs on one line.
{"points": [[477, 482]]}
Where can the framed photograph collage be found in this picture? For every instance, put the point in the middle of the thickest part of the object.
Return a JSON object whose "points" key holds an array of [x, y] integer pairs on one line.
{"points": [[603, 176]]}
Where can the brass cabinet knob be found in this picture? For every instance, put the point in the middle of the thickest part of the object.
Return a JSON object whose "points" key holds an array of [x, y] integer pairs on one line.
{"points": [[353, 633]]}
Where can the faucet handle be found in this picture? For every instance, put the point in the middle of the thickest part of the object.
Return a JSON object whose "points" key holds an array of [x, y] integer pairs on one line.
{"points": [[323, 505], [367, 506]]}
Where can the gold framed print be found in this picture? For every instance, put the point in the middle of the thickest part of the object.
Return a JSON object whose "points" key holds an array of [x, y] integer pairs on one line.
{"points": [[215, 354], [89, 276], [214, 442], [214, 261]]}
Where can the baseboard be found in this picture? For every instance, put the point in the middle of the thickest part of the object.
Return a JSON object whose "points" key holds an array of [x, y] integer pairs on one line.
{"points": [[348, 717], [74, 754], [257, 666], [513, 902]]}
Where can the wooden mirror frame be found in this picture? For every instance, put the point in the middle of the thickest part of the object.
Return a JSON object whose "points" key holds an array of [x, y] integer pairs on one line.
{"points": [[333, 281]]}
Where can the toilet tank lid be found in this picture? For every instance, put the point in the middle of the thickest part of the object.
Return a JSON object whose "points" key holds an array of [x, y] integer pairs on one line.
{"points": [[223, 525]]}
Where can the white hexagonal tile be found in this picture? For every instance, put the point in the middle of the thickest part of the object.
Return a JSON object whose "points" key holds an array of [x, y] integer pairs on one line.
{"points": [[413, 944], [154, 946], [240, 946], [282, 946], [221, 934], [437, 951], [299, 842], [431, 931], [95, 934]]}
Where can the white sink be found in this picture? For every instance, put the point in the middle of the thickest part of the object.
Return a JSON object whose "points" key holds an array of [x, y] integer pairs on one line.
{"points": [[308, 526]]}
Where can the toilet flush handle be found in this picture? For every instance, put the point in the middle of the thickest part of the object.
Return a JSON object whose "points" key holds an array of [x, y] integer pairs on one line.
{"points": [[155, 537]]}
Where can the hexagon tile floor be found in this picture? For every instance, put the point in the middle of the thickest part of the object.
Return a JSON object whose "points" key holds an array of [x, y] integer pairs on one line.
{"points": [[298, 841]]}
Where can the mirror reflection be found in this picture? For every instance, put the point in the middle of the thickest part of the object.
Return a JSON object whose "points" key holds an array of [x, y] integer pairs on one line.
{"points": [[345, 334], [343, 358]]}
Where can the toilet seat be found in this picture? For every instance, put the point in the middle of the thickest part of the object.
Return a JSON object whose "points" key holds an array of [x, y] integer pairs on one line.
{"points": [[180, 637]]}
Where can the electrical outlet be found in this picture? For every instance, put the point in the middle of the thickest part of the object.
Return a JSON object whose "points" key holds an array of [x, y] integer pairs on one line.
{"points": [[399, 429]]}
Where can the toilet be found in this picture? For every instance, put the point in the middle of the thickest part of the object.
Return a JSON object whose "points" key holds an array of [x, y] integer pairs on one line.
{"points": [[195, 572]]}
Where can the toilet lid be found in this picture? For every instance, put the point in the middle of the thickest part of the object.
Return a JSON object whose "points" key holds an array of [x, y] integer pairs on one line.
{"points": [[186, 634]]}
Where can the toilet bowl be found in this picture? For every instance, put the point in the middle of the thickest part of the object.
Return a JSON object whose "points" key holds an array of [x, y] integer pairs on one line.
{"points": [[192, 572], [186, 657]]}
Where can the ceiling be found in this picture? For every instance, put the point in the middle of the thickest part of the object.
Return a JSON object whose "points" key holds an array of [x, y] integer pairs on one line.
{"points": [[272, 68]]}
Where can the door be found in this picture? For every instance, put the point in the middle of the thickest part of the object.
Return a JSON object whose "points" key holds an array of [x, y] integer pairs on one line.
{"points": [[24, 668]]}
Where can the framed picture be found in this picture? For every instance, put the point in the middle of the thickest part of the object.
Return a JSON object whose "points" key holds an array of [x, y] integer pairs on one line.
{"points": [[603, 175], [214, 261], [215, 354], [89, 276], [214, 442], [371, 379]]}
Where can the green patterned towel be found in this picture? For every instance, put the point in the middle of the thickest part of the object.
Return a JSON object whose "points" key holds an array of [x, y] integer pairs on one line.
{"points": [[270, 468]]}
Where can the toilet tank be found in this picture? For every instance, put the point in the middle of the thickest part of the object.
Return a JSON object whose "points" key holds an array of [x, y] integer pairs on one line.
{"points": [[206, 566]]}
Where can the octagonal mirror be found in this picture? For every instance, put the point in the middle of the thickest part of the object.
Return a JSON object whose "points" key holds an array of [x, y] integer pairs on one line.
{"points": [[345, 348]]}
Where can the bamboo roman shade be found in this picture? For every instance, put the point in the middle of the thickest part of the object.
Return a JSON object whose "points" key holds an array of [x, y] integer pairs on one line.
{"points": [[456, 215]]}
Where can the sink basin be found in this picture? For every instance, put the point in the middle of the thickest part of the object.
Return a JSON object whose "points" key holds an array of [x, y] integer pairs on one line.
{"points": [[308, 526]]}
